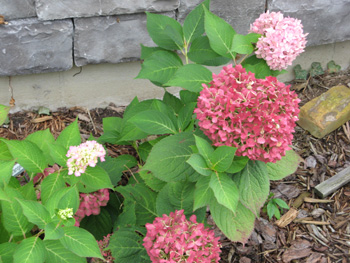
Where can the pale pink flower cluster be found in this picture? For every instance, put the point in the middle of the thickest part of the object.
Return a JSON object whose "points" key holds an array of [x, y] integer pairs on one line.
{"points": [[282, 39], [107, 254], [84, 155], [174, 239], [255, 115], [90, 204]]}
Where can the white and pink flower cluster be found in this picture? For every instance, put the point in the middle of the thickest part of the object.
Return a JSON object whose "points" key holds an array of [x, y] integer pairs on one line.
{"points": [[255, 115], [282, 39], [84, 155], [174, 239], [90, 204]]}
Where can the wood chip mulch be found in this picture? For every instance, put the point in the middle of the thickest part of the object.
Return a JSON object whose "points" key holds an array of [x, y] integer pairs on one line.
{"points": [[320, 232]]}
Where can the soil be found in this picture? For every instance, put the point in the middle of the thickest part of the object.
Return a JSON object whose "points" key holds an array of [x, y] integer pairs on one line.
{"points": [[321, 230]]}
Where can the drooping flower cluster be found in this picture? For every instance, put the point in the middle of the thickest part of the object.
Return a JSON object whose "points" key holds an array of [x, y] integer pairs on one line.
{"points": [[174, 239], [255, 115], [107, 254], [282, 39], [84, 155], [90, 204]]}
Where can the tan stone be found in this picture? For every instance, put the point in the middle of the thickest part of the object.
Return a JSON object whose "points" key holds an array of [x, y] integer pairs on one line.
{"points": [[327, 112]]}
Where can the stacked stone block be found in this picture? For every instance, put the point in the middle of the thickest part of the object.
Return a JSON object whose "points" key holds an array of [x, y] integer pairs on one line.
{"points": [[52, 35]]}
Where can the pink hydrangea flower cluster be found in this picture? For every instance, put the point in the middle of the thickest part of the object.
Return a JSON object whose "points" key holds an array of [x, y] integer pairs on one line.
{"points": [[84, 155], [282, 39], [174, 239], [107, 254], [90, 204], [255, 115]]}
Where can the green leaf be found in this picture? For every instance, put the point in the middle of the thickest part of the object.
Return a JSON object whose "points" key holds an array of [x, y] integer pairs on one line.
{"points": [[271, 209], [70, 136], [126, 245], [202, 193], [156, 25], [30, 250], [280, 203], [43, 139], [28, 191], [239, 162], [70, 199], [205, 149], [201, 53], [175, 103], [237, 227], [188, 97], [185, 116], [111, 124], [50, 185], [99, 225], [5, 154], [6, 252], [4, 111], [254, 185], [96, 178], [191, 77], [5, 172], [80, 242], [194, 22], [199, 164], [146, 52], [160, 66], [222, 157], [12, 216], [258, 66], [153, 122], [35, 212], [58, 153], [175, 35], [53, 230], [332, 67], [151, 181], [253, 37], [28, 155], [242, 44], [131, 133], [57, 253], [167, 160], [225, 190], [300, 73], [284, 167], [220, 34], [52, 203], [176, 196], [128, 217], [316, 69], [144, 199], [115, 166]]}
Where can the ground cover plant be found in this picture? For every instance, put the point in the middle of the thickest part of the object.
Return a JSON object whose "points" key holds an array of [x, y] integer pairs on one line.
{"points": [[218, 145]]}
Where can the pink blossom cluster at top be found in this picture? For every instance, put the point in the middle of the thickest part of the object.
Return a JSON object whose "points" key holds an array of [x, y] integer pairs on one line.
{"points": [[174, 239], [107, 254], [90, 204], [255, 115], [282, 39], [84, 155]]}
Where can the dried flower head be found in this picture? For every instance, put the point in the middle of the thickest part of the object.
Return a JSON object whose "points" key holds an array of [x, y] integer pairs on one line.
{"points": [[175, 239], [84, 155], [282, 39], [255, 115]]}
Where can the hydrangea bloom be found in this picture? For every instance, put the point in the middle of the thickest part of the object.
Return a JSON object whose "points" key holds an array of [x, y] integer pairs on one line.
{"points": [[90, 204], [64, 214], [282, 39], [107, 254], [84, 155], [255, 115], [174, 239]]}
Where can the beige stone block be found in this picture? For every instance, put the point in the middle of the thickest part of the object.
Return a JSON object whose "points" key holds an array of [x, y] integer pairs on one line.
{"points": [[327, 112]]}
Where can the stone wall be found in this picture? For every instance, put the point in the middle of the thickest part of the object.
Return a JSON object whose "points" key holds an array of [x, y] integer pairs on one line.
{"points": [[53, 35]]}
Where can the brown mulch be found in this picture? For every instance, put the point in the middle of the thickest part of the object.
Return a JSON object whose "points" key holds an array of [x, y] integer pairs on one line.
{"points": [[321, 231]]}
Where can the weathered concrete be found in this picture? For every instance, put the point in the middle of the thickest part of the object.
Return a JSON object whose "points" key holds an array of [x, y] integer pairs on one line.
{"points": [[327, 112], [53, 9], [30, 46], [325, 21], [14, 9], [109, 39], [239, 13]]}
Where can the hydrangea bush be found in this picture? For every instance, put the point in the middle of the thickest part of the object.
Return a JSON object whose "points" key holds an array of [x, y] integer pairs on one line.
{"points": [[212, 149]]}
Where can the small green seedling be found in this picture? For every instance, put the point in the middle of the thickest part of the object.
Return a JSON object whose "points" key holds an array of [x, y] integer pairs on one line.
{"points": [[274, 207]]}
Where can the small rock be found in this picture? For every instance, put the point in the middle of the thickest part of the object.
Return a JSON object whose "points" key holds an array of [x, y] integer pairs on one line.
{"points": [[310, 162], [286, 191], [245, 260], [317, 212], [327, 112]]}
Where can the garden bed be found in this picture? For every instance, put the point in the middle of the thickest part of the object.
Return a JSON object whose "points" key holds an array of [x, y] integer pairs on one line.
{"points": [[326, 240]]}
